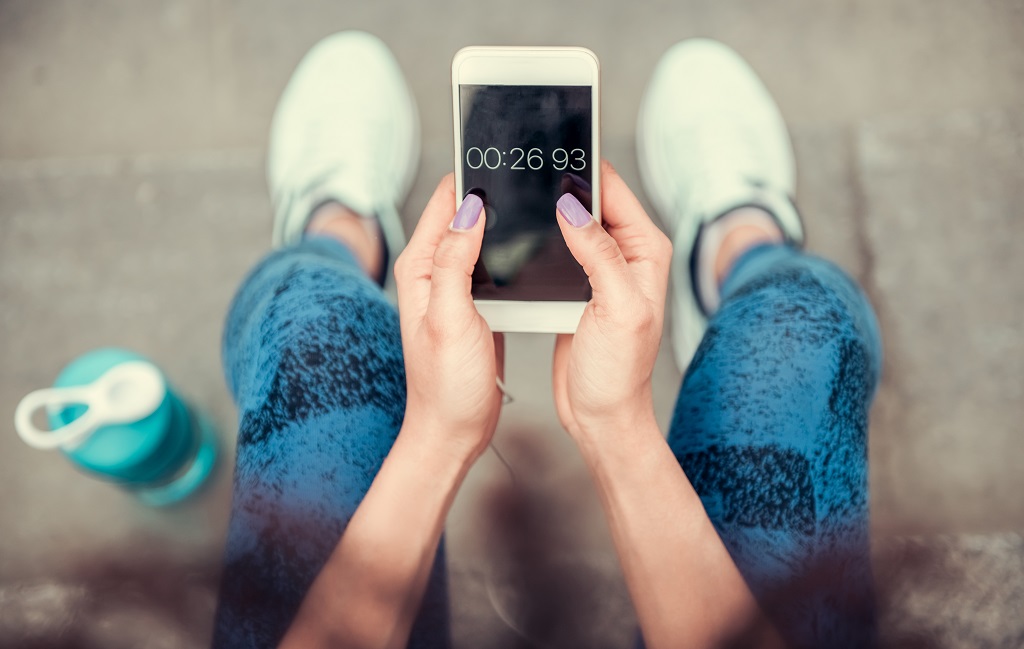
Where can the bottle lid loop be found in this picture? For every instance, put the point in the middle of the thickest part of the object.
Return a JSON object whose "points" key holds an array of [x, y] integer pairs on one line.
{"points": [[125, 393]]}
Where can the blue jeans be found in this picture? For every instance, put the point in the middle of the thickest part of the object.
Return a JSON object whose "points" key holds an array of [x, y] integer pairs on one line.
{"points": [[770, 426]]}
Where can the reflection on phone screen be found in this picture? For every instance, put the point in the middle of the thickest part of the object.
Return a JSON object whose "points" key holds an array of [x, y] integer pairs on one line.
{"points": [[523, 147]]}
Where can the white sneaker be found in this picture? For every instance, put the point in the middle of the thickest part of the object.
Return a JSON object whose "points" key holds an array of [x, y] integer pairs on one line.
{"points": [[346, 129], [709, 140]]}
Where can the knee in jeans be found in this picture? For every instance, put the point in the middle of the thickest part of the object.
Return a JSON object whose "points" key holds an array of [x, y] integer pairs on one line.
{"points": [[812, 303], [804, 321], [321, 344]]}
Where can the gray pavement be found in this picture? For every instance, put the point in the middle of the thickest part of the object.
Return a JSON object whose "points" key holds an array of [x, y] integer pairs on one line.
{"points": [[132, 203]]}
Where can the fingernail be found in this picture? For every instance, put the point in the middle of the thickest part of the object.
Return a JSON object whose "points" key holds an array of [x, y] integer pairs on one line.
{"points": [[573, 211], [469, 213]]}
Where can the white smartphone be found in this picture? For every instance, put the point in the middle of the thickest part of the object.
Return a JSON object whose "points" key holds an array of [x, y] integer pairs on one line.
{"points": [[527, 131]]}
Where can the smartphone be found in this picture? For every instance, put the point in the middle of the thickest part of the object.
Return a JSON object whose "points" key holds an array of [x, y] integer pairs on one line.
{"points": [[526, 123]]}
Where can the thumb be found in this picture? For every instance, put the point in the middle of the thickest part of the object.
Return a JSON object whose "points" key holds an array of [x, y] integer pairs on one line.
{"points": [[454, 260], [594, 249]]}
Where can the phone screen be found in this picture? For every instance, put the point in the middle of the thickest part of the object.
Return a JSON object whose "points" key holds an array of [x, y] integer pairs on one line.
{"points": [[522, 148]]}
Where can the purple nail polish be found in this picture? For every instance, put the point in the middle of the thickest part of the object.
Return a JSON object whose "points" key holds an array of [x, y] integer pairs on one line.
{"points": [[573, 211], [469, 213]]}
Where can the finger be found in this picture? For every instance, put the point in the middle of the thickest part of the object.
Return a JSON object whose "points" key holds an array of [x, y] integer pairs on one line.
{"points": [[559, 375], [499, 354], [595, 250], [625, 218], [451, 300], [435, 219], [412, 269]]}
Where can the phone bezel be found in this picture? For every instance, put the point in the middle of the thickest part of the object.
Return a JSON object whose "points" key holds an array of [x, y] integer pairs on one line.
{"points": [[529, 66]]}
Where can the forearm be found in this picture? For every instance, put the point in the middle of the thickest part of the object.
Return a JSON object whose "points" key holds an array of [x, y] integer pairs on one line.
{"points": [[368, 593], [686, 588]]}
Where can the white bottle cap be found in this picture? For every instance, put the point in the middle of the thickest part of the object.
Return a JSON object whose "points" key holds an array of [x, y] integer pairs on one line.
{"points": [[123, 394]]}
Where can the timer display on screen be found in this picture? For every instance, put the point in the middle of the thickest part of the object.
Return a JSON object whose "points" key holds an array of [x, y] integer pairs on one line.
{"points": [[521, 159], [523, 147]]}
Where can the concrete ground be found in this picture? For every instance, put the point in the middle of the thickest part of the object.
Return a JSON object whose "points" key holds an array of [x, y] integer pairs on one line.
{"points": [[132, 202]]}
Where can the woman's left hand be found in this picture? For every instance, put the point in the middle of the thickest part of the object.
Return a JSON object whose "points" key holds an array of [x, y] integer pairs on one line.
{"points": [[451, 357]]}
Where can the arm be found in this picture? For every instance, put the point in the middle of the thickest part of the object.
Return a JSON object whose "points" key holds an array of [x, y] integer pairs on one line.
{"points": [[369, 592], [685, 587]]}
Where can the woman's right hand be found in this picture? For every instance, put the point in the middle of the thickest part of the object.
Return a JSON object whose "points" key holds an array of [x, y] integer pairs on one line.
{"points": [[602, 374], [668, 548]]}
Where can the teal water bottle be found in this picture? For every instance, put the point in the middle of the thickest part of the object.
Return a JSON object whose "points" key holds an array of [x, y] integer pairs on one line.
{"points": [[113, 414]]}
